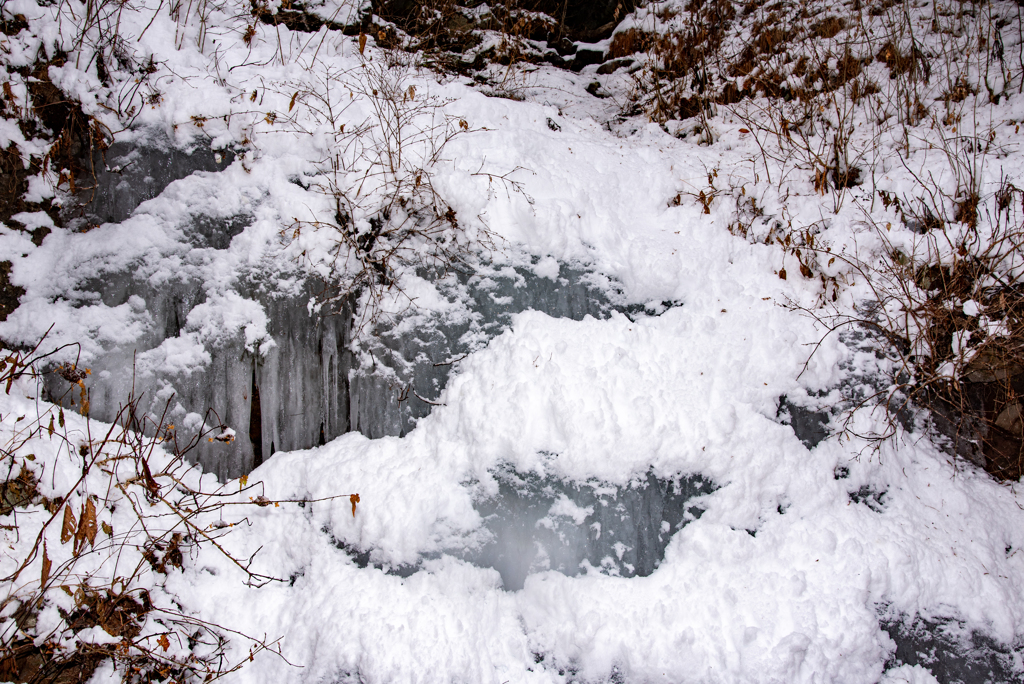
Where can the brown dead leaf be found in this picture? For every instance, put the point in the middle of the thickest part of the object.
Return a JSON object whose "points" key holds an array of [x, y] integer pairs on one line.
{"points": [[362, 42], [354, 499], [163, 641], [107, 529], [782, 273], [291, 105], [46, 569], [68, 527], [87, 524], [147, 478], [84, 396]]}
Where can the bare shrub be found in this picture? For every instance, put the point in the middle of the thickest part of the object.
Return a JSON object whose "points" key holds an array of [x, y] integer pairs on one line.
{"points": [[377, 174], [950, 303], [86, 552], [674, 83]]}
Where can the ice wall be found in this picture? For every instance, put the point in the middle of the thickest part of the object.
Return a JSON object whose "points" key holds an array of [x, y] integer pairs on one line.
{"points": [[317, 375], [952, 653], [406, 359], [540, 524], [293, 396], [127, 174], [534, 524], [313, 382]]}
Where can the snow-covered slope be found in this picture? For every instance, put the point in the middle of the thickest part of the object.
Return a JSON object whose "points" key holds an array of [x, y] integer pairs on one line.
{"points": [[804, 561]]}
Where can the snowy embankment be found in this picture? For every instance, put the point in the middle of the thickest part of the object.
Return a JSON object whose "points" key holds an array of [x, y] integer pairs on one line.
{"points": [[800, 554]]}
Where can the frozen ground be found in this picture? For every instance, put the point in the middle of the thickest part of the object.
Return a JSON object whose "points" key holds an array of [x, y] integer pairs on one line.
{"points": [[799, 558]]}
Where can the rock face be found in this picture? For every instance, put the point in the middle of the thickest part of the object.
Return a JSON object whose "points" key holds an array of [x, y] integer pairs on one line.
{"points": [[585, 21]]}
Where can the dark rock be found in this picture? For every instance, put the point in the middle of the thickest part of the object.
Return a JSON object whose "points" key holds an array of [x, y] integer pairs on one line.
{"points": [[614, 65], [10, 295], [583, 20], [554, 59], [298, 18], [585, 57], [563, 46]]}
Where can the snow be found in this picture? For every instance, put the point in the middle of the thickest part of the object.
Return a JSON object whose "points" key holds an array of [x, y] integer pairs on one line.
{"points": [[782, 578]]}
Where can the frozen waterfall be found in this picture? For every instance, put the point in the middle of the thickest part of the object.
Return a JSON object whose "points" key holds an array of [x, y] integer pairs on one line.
{"points": [[318, 375]]}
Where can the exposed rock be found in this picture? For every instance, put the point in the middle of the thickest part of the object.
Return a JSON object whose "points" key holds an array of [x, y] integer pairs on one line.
{"points": [[613, 66], [298, 18], [10, 295], [1009, 419], [584, 20], [986, 366], [579, 20], [585, 57]]}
